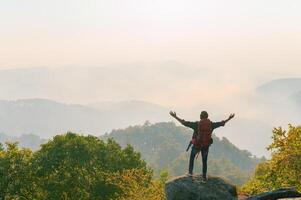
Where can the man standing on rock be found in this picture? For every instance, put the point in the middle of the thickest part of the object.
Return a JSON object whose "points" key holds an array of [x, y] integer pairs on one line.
{"points": [[201, 139]]}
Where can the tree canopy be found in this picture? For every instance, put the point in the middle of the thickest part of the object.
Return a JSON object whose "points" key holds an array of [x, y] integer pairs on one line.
{"points": [[284, 168], [70, 166]]}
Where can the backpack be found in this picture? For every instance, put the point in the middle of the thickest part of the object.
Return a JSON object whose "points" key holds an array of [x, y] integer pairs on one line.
{"points": [[203, 137]]}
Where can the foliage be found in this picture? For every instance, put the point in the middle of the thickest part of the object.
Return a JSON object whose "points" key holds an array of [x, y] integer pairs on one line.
{"points": [[15, 173], [72, 166], [130, 182], [284, 168]]}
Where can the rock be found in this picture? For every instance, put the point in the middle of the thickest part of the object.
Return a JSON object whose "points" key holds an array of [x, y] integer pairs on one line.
{"points": [[191, 188], [277, 194]]}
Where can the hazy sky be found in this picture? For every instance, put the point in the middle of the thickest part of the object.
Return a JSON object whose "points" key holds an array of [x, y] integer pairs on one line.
{"points": [[239, 44], [236, 34]]}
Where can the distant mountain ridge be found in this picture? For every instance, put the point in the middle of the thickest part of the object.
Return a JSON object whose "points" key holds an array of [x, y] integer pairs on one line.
{"points": [[46, 118], [280, 88], [93, 84], [283, 95]]}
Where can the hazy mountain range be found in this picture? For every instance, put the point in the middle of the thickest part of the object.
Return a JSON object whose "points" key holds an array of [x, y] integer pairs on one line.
{"points": [[282, 99], [47, 118], [286, 92], [276, 103], [280, 89]]}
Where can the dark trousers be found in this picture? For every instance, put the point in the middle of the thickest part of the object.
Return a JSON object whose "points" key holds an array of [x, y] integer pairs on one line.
{"points": [[204, 152]]}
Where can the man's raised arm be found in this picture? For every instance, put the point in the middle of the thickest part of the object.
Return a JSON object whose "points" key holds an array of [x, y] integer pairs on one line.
{"points": [[230, 117], [174, 115], [222, 123]]}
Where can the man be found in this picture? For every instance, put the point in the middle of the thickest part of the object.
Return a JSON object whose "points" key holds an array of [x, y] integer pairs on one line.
{"points": [[201, 139]]}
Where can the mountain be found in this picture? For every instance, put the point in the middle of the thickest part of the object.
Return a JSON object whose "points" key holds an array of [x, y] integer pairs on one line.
{"points": [[280, 99], [174, 82], [163, 146], [46, 118], [132, 112], [280, 89]]}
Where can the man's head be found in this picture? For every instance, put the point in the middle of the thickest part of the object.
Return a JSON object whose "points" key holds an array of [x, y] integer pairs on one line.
{"points": [[204, 115]]}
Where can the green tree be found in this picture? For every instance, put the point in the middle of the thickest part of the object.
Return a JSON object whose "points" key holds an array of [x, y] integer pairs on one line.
{"points": [[16, 180], [284, 168], [79, 167]]}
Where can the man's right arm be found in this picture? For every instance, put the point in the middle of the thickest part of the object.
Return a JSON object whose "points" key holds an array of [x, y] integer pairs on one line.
{"points": [[174, 115]]}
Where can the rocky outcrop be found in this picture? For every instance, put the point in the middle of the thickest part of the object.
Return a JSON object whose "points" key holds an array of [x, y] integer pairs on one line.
{"points": [[192, 188], [287, 193]]}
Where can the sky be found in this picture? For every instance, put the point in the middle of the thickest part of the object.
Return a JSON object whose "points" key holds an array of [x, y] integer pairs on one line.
{"points": [[232, 34], [242, 43]]}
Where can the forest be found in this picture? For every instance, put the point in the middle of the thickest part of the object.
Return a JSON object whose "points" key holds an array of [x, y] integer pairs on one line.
{"points": [[134, 163]]}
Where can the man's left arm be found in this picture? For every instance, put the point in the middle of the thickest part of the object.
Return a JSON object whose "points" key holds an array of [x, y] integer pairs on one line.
{"points": [[222, 123]]}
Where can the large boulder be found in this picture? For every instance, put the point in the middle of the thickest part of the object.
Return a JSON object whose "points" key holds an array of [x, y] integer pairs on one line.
{"points": [[283, 193], [192, 188]]}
